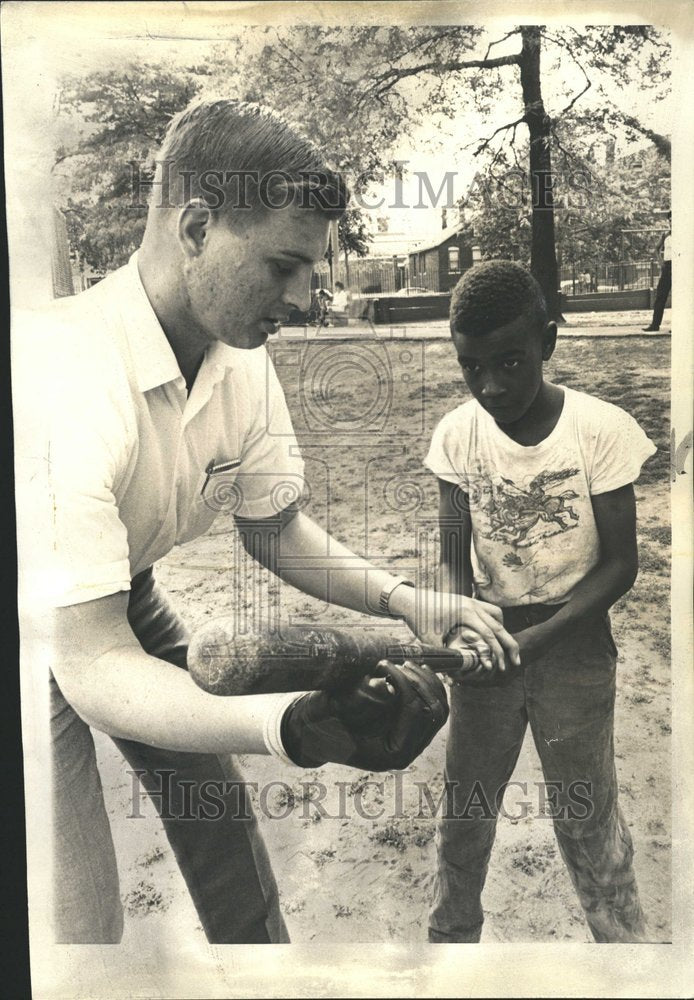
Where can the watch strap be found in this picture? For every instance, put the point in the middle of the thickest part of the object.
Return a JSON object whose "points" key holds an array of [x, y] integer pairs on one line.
{"points": [[384, 597]]}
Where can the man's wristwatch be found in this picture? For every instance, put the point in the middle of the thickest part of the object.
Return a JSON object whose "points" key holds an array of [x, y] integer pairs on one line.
{"points": [[384, 598]]}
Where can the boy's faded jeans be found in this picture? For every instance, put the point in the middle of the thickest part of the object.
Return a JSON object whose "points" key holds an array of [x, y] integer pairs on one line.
{"points": [[223, 860], [567, 696]]}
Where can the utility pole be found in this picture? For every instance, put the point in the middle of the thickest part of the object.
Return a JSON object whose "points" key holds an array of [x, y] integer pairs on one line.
{"points": [[335, 255]]}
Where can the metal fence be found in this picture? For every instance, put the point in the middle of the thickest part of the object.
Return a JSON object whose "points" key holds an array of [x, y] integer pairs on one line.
{"points": [[364, 275], [374, 276], [577, 279]]}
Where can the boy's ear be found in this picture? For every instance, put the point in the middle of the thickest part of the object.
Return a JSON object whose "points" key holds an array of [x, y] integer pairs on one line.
{"points": [[549, 340]]}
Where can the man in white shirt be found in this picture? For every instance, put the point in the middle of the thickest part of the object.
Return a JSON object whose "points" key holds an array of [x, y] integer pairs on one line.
{"points": [[138, 418], [339, 307]]}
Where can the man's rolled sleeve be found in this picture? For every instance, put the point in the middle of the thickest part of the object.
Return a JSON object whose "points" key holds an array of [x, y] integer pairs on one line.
{"points": [[271, 475], [91, 546], [69, 453]]}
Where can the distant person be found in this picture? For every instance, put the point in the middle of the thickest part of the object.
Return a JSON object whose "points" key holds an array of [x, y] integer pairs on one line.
{"points": [[322, 301], [664, 282], [339, 305], [340, 298], [535, 483]]}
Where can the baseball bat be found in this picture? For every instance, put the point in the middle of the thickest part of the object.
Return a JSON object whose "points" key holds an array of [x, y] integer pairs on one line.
{"points": [[305, 658]]}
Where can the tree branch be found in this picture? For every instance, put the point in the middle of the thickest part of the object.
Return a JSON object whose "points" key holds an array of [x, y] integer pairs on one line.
{"points": [[661, 142], [560, 42], [387, 80], [567, 154], [577, 97], [424, 43], [281, 42], [502, 128], [515, 151], [514, 31]]}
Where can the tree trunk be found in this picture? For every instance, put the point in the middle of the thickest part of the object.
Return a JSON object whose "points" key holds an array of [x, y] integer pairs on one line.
{"points": [[543, 258]]}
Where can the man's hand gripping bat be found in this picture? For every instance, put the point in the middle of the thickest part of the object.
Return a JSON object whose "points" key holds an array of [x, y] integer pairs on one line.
{"points": [[371, 702]]}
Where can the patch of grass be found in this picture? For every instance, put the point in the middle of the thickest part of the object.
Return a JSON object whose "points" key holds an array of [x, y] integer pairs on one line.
{"points": [[533, 859], [390, 836], [156, 854], [639, 698], [651, 561], [306, 791], [359, 784], [650, 590], [660, 642], [322, 857], [660, 534], [400, 834], [423, 836], [407, 873], [284, 798], [295, 906], [144, 899], [659, 842]]}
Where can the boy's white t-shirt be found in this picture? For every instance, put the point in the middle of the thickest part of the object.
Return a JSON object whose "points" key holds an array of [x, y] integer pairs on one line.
{"points": [[533, 530]]}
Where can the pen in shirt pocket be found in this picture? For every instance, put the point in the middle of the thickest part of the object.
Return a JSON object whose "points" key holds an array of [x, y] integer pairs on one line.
{"points": [[212, 470]]}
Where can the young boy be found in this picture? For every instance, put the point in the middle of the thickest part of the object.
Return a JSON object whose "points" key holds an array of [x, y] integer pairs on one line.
{"points": [[537, 515]]}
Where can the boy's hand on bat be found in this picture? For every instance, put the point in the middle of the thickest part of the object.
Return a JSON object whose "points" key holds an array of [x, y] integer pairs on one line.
{"points": [[485, 673], [432, 615], [383, 723]]}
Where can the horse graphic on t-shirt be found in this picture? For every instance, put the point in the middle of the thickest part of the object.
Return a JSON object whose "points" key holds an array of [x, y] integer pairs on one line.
{"points": [[513, 512]]}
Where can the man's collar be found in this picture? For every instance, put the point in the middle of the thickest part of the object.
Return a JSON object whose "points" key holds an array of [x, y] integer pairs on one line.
{"points": [[153, 359]]}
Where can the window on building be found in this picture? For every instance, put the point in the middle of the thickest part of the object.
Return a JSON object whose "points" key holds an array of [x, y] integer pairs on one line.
{"points": [[453, 260]]}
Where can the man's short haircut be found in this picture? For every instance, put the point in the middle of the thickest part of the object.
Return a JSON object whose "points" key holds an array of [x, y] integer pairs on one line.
{"points": [[231, 154], [493, 294]]}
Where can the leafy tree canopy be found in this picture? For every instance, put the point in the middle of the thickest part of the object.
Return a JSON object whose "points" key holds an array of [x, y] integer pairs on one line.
{"points": [[360, 92]]}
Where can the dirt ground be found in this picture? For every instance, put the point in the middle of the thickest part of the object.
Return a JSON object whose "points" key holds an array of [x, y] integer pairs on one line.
{"points": [[359, 865]]}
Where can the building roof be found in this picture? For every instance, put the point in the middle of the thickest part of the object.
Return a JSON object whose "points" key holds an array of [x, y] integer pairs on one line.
{"points": [[441, 237], [395, 244], [60, 258]]}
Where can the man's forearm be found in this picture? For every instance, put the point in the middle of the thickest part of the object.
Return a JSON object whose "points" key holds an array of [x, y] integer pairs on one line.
{"points": [[300, 552], [314, 562], [129, 694]]}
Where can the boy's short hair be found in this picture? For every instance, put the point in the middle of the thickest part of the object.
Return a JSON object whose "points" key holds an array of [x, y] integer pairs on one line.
{"points": [[493, 294], [233, 154]]}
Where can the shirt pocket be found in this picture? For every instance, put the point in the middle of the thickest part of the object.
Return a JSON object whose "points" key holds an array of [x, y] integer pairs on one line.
{"points": [[217, 489]]}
